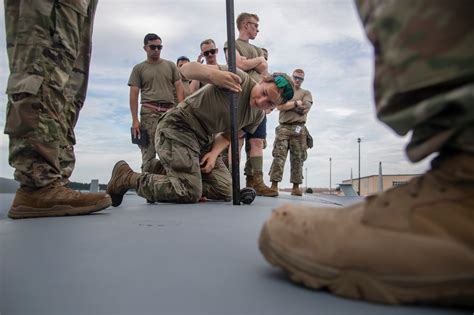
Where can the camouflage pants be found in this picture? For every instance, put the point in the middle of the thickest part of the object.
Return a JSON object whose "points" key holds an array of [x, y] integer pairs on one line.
{"points": [[180, 151], [291, 138], [49, 47], [424, 71], [149, 120]]}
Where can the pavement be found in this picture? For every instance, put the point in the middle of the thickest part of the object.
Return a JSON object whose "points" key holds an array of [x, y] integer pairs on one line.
{"points": [[160, 259]]}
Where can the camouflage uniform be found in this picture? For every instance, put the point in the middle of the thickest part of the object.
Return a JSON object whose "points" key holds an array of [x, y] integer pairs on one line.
{"points": [[49, 47], [291, 135], [424, 70], [185, 134], [180, 151], [148, 121], [157, 96]]}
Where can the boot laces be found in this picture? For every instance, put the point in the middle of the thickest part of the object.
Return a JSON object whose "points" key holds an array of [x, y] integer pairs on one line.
{"points": [[58, 190]]}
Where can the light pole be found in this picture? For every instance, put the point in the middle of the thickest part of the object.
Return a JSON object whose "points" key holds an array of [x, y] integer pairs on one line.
{"points": [[358, 186], [306, 178], [330, 177]]}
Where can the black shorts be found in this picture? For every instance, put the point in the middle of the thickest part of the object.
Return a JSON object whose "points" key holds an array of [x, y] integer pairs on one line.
{"points": [[260, 133]]}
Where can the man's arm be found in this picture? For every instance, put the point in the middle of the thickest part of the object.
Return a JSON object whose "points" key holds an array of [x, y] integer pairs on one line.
{"points": [[178, 85], [194, 86], [258, 64], [307, 102], [134, 91], [287, 106], [213, 75], [208, 161]]}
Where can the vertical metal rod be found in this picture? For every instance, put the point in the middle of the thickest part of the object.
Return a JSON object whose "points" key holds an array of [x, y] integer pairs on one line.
{"points": [[306, 178], [234, 140], [330, 177], [358, 186]]}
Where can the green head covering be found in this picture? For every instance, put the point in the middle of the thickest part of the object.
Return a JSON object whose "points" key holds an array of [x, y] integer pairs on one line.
{"points": [[282, 81]]}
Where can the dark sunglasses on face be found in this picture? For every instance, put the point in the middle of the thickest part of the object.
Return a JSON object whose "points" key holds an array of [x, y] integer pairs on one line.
{"points": [[256, 24], [153, 47], [297, 78], [210, 51]]}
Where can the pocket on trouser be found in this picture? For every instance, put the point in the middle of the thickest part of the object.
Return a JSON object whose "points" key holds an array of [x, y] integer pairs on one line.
{"points": [[281, 142], [176, 155], [69, 23], [309, 141], [23, 114], [304, 155]]}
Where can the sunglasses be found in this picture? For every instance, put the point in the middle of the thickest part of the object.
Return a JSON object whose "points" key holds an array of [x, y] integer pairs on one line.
{"points": [[154, 47], [297, 78], [210, 51], [256, 24]]}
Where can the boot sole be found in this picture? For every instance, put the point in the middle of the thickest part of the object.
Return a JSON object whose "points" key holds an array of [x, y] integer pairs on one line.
{"points": [[274, 194], [23, 212], [357, 284]]}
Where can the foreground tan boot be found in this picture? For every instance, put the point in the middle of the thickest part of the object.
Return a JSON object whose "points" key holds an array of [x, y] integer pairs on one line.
{"points": [[123, 178], [296, 190], [55, 200], [260, 188], [411, 244]]}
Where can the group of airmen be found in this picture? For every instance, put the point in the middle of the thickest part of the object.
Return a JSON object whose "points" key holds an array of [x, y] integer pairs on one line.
{"points": [[162, 87], [411, 244]]}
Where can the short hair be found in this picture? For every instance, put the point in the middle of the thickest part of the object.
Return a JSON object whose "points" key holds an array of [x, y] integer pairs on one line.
{"points": [[299, 70], [243, 17], [182, 58], [150, 37], [207, 42]]}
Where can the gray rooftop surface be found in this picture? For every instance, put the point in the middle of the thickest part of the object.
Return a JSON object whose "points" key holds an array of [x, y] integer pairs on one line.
{"points": [[159, 259]]}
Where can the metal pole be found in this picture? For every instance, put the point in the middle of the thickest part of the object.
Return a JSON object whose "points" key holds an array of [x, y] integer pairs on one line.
{"points": [[330, 179], [358, 186], [234, 141], [306, 178]]}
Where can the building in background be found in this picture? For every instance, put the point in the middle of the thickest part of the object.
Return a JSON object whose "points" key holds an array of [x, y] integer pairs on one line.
{"points": [[369, 184]]}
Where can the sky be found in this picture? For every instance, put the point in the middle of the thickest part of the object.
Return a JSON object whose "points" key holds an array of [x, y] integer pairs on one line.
{"points": [[323, 37]]}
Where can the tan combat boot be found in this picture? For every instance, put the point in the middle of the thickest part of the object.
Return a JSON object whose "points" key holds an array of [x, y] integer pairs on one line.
{"points": [[274, 187], [249, 181], [123, 178], [296, 190], [260, 188], [55, 200], [410, 244]]}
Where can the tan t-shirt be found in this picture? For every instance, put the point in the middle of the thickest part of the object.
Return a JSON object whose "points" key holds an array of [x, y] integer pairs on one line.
{"points": [[156, 81], [248, 51], [187, 88], [290, 117], [207, 111]]}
